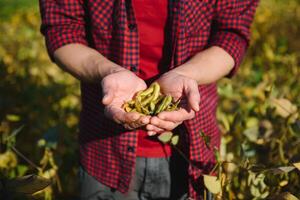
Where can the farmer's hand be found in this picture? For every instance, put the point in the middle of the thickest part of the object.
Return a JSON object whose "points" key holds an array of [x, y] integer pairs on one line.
{"points": [[179, 87], [118, 88]]}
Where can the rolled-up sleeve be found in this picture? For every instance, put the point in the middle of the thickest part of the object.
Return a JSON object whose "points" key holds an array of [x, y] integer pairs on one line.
{"points": [[231, 28], [63, 22]]}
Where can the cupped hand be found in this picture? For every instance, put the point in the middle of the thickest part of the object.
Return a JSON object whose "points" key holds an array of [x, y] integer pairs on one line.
{"points": [[118, 88], [179, 87]]}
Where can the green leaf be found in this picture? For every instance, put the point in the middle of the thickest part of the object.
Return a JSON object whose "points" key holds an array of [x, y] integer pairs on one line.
{"points": [[265, 194], [41, 142], [22, 169], [281, 170], [174, 140], [252, 122], [268, 91], [165, 137], [229, 167], [286, 169], [283, 107], [13, 118], [29, 184], [225, 122], [285, 196], [252, 133], [294, 128], [217, 155], [206, 139], [297, 165], [212, 183], [254, 191]]}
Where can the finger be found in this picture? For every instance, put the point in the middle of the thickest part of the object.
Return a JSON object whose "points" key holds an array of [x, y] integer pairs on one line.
{"points": [[116, 114], [177, 116], [108, 94], [131, 117], [193, 96], [107, 98], [156, 129], [119, 115], [128, 127], [163, 124], [145, 120], [132, 125], [142, 121], [151, 133]]}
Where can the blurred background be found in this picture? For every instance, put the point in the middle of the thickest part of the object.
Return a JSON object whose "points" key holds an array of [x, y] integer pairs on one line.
{"points": [[258, 112]]}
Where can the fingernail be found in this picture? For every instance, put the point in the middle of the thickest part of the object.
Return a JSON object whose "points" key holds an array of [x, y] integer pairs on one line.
{"points": [[151, 133]]}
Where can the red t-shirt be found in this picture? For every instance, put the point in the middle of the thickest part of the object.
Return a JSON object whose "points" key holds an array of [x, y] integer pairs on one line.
{"points": [[151, 17]]}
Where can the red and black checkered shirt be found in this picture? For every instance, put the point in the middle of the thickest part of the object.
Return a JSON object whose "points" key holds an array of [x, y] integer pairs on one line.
{"points": [[108, 151]]}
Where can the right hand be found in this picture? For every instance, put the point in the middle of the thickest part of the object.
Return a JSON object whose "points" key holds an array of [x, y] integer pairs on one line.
{"points": [[181, 87], [118, 88]]}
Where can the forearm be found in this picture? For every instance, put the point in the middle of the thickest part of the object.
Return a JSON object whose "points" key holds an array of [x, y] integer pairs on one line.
{"points": [[207, 66], [84, 63]]}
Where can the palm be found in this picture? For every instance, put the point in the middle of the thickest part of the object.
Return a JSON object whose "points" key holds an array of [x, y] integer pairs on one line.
{"points": [[120, 87], [173, 86]]}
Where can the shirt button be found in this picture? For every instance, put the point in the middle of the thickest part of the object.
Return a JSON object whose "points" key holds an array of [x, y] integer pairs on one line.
{"points": [[134, 68], [130, 149], [132, 27]]}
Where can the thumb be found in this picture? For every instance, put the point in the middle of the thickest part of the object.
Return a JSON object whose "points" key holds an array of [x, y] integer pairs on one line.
{"points": [[193, 96], [107, 98], [108, 95]]}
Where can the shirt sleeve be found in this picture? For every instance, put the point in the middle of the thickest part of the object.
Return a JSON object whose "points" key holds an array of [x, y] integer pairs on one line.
{"points": [[63, 22], [231, 28]]}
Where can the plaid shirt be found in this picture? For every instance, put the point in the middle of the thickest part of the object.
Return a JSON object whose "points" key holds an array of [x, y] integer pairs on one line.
{"points": [[107, 150]]}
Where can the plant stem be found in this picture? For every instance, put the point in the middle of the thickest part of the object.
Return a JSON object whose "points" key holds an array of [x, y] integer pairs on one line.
{"points": [[182, 154], [25, 158]]}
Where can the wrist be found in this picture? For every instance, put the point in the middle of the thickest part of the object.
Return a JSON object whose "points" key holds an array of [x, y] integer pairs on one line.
{"points": [[184, 71], [181, 70], [106, 67]]}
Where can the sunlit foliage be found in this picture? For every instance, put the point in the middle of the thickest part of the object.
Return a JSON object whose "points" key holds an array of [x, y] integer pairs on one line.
{"points": [[258, 112]]}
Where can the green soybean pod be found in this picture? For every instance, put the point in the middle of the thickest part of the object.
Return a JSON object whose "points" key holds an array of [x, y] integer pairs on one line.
{"points": [[133, 110], [127, 107], [145, 110], [167, 102], [152, 106], [138, 104], [156, 91], [160, 98], [174, 106], [147, 100], [162, 104], [131, 102], [147, 91]]}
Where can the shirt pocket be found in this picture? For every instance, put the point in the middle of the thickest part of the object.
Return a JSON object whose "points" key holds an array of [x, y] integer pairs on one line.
{"points": [[198, 15]]}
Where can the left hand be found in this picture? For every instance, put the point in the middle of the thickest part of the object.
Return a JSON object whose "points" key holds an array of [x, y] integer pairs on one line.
{"points": [[179, 87]]}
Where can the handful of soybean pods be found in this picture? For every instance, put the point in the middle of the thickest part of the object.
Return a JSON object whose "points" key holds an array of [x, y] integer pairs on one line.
{"points": [[151, 101]]}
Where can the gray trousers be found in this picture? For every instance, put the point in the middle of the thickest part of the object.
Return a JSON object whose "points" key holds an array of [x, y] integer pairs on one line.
{"points": [[152, 181]]}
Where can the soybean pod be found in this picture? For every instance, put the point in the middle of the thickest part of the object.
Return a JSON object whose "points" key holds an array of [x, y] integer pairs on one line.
{"points": [[156, 91], [138, 104], [165, 102], [147, 91]]}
